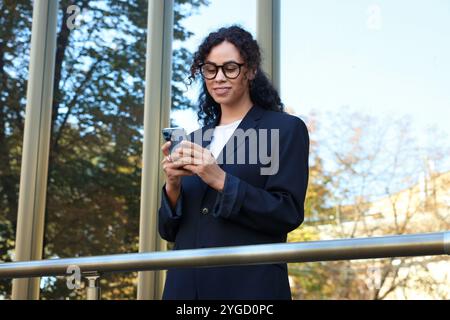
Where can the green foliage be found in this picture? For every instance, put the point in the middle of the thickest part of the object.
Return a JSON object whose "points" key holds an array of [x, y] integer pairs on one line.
{"points": [[15, 23], [320, 280]]}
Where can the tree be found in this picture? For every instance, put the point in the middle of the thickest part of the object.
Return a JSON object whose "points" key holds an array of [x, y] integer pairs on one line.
{"points": [[381, 184], [309, 281], [14, 32]]}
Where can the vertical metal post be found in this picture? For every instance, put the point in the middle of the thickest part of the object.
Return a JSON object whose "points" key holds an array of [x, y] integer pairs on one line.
{"points": [[93, 286], [447, 243], [36, 143], [156, 115], [268, 36]]}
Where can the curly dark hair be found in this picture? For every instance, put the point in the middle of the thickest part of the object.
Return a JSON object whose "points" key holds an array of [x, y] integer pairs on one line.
{"points": [[262, 91]]}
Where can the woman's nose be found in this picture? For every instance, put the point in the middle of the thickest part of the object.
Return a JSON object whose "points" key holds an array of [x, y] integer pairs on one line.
{"points": [[220, 75]]}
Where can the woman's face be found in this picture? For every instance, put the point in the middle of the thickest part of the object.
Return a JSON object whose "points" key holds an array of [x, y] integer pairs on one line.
{"points": [[226, 91]]}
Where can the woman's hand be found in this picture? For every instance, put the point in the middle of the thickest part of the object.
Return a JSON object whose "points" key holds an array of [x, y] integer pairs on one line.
{"points": [[173, 171], [201, 162]]}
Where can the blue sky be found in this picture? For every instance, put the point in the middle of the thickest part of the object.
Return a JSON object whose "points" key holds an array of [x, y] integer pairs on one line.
{"points": [[378, 57]]}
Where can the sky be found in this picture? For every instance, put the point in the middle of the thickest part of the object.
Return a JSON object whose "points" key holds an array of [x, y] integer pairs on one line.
{"points": [[376, 57]]}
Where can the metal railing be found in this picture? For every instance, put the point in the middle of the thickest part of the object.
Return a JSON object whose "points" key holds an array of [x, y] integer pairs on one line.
{"points": [[344, 249]]}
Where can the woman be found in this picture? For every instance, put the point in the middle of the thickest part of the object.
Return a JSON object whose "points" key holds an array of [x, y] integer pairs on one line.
{"points": [[207, 203]]}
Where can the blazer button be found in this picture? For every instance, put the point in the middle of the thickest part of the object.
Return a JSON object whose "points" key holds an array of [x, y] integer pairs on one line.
{"points": [[205, 210]]}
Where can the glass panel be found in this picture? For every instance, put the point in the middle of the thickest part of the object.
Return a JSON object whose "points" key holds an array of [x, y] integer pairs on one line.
{"points": [[371, 81], [96, 141], [96, 144], [15, 36], [421, 278]]}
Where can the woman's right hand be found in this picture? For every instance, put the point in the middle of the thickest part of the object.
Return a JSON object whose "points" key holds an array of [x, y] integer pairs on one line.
{"points": [[173, 172]]}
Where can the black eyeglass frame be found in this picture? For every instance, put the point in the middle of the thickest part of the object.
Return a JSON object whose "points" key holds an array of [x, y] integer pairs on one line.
{"points": [[240, 65]]}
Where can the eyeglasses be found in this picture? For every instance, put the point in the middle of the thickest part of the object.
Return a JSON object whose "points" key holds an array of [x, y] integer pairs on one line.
{"points": [[231, 70]]}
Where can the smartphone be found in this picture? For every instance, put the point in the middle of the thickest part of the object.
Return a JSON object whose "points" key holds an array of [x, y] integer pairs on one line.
{"points": [[175, 135]]}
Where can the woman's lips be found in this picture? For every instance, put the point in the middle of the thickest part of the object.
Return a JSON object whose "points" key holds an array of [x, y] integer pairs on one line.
{"points": [[222, 91]]}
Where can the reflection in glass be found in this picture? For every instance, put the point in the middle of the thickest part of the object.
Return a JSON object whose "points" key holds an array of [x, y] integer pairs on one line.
{"points": [[371, 82]]}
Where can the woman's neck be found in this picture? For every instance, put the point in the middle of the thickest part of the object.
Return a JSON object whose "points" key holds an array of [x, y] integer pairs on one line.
{"points": [[234, 113]]}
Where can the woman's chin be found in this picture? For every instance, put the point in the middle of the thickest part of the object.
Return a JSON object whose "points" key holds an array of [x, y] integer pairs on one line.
{"points": [[221, 100]]}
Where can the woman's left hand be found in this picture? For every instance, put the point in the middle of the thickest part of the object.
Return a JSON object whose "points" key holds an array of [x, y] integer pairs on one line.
{"points": [[201, 162]]}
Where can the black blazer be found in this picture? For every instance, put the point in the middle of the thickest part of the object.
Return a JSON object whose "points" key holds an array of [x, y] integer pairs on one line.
{"points": [[252, 209]]}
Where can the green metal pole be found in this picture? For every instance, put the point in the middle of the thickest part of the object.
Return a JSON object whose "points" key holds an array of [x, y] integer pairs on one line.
{"points": [[36, 143], [156, 115]]}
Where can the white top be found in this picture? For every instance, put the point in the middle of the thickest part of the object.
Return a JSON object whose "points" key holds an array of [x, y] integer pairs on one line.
{"points": [[221, 136]]}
